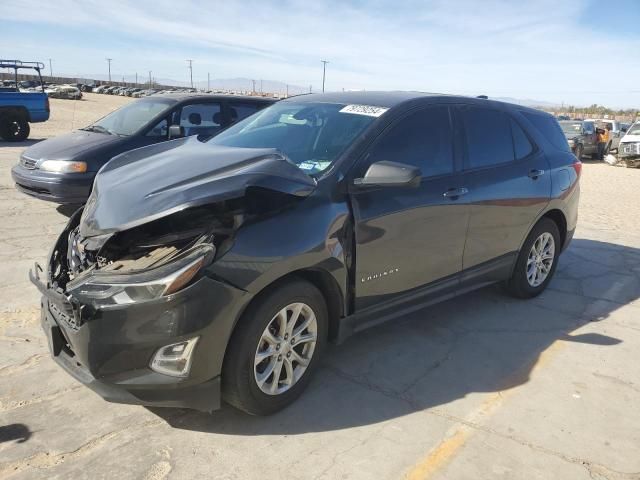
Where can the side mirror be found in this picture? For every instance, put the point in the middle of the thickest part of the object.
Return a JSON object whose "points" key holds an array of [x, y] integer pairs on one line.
{"points": [[176, 131], [390, 174]]}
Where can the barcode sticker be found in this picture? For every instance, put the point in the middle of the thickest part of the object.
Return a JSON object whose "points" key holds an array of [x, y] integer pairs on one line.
{"points": [[368, 110]]}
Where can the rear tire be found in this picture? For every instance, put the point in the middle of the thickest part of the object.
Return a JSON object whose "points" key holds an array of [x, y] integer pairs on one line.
{"points": [[14, 128], [259, 348], [537, 261]]}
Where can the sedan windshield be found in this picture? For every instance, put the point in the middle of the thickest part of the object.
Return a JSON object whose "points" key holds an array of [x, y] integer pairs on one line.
{"points": [[571, 128], [311, 135], [130, 118]]}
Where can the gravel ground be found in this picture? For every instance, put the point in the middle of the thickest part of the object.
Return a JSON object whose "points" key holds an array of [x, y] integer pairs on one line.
{"points": [[481, 387]]}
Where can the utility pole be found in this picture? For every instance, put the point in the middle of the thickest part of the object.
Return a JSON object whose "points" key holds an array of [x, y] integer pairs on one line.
{"points": [[136, 79], [109, 63], [208, 81], [191, 71], [50, 69], [260, 86], [324, 72], [149, 78], [254, 86]]}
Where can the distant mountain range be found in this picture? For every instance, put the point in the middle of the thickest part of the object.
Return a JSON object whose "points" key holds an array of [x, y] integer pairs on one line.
{"points": [[527, 102], [243, 84]]}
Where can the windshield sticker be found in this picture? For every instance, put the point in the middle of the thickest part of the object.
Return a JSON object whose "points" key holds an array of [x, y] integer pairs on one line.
{"points": [[368, 110], [308, 165], [313, 165]]}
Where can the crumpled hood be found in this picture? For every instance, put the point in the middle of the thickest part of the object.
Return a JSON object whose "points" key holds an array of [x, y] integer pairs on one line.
{"points": [[152, 182], [70, 145]]}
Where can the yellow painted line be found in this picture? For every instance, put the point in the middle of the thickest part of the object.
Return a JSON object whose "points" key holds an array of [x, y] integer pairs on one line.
{"points": [[457, 436]]}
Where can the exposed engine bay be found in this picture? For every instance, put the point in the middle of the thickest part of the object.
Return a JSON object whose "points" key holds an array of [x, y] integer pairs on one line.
{"points": [[209, 228]]}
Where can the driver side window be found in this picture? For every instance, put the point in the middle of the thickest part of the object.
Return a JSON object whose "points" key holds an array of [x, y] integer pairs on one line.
{"points": [[589, 128], [160, 130], [423, 139]]}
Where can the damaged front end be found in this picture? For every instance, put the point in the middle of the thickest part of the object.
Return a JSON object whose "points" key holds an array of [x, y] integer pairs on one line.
{"points": [[128, 306]]}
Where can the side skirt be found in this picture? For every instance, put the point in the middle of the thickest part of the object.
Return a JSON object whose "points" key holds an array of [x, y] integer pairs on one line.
{"points": [[490, 272]]}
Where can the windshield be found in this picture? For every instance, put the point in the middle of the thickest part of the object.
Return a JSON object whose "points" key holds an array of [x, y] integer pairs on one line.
{"points": [[571, 128], [311, 135], [634, 129], [130, 118]]}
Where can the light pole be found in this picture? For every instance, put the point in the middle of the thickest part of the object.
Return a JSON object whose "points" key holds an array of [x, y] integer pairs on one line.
{"points": [[208, 81], [109, 63], [191, 71], [149, 78], [254, 86], [324, 72], [136, 79], [50, 69]]}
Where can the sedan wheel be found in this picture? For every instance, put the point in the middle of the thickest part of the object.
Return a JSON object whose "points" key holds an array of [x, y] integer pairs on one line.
{"points": [[285, 349]]}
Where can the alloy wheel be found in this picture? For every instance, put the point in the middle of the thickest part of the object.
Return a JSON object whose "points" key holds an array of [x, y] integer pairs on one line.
{"points": [[285, 348], [540, 259]]}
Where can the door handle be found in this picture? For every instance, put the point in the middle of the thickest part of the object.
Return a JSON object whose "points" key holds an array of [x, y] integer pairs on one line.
{"points": [[454, 193], [534, 174]]}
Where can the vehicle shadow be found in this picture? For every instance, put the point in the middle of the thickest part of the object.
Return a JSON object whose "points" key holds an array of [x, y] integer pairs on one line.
{"points": [[25, 143], [67, 210], [15, 431], [484, 341]]}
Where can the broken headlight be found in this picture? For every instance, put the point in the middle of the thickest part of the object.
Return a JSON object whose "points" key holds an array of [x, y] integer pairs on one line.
{"points": [[102, 288]]}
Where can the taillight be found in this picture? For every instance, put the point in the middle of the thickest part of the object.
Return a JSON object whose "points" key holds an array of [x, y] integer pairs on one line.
{"points": [[577, 166]]}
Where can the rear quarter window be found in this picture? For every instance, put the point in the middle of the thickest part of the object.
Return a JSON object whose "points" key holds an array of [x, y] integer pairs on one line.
{"points": [[549, 128]]}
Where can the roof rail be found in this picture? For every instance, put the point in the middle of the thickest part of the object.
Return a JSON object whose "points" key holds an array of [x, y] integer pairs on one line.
{"points": [[484, 97], [16, 64]]}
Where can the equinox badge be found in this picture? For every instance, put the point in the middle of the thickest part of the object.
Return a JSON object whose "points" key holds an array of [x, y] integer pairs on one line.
{"points": [[375, 276]]}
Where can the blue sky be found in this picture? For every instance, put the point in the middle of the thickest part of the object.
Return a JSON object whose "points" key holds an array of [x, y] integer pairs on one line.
{"points": [[572, 51]]}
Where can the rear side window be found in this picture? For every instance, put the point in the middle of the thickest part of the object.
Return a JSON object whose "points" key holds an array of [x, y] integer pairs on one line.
{"points": [[488, 136], [548, 126], [423, 139], [521, 144]]}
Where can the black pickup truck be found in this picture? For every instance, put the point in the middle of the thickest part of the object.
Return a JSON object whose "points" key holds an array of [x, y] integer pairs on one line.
{"points": [[581, 136]]}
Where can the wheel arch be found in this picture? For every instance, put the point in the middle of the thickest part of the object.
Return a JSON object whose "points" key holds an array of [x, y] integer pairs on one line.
{"points": [[15, 109], [322, 279], [560, 220], [558, 217]]}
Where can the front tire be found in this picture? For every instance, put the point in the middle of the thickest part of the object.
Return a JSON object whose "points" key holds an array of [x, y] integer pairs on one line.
{"points": [[275, 349], [537, 261]]}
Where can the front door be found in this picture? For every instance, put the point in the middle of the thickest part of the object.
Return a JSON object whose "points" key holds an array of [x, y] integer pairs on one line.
{"points": [[409, 237]]}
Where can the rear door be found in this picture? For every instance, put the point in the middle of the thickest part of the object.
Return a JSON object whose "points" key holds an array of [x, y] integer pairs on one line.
{"points": [[509, 183], [409, 237]]}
